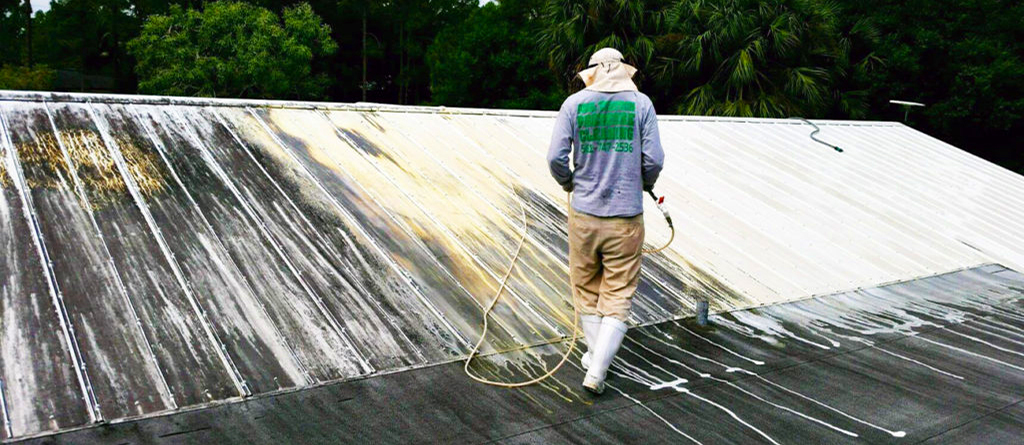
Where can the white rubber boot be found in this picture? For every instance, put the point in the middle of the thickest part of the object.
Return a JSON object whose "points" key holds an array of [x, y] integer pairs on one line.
{"points": [[608, 341], [591, 327]]}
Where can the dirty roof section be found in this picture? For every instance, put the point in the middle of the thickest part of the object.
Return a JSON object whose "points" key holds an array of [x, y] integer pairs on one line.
{"points": [[165, 253], [931, 361]]}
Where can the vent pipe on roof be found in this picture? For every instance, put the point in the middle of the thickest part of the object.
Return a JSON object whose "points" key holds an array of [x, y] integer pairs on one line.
{"points": [[702, 312], [906, 106]]}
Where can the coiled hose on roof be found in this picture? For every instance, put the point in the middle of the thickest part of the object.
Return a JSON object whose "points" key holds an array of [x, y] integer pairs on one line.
{"points": [[575, 305]]}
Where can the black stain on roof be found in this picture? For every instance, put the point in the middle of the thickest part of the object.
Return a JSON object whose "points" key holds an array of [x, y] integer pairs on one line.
{"points": [[366, 146]]}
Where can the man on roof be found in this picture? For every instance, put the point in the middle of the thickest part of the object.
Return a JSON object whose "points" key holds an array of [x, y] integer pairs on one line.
{"points": [[611, 130]]}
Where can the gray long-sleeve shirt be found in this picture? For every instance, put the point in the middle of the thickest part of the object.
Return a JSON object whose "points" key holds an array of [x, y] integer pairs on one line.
{"points": [[616, 151]]}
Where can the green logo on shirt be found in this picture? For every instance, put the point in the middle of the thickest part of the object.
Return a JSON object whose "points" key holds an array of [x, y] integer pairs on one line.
{"points": [[606, 126]]}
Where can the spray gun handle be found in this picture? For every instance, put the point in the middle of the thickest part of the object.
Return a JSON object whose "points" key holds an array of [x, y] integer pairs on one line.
{"points": [[660, 202]]}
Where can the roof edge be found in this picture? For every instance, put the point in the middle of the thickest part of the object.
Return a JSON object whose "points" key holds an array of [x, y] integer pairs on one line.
{"points": [[55, 96]]}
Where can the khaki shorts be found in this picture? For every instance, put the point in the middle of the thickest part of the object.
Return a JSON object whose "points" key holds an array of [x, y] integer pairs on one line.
{"points": [[604, 262]]}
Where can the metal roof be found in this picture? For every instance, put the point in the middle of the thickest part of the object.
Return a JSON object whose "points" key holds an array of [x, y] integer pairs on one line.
{"points": [[163, 253], [928, 361]]}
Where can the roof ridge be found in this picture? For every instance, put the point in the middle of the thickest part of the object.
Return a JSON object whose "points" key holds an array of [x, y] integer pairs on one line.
{"points": [[139, 99]]}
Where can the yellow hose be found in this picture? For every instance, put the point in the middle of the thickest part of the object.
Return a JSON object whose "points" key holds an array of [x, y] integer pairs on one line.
{"points": [[575, 311]]}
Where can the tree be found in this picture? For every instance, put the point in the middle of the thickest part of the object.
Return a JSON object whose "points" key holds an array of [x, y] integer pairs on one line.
{"points": [[38, 77], [14, 27], [232, 49], [88, 37], [764, 58], [413, 24], [964, 59], [770, 58], [492, 60], [574, 29]]}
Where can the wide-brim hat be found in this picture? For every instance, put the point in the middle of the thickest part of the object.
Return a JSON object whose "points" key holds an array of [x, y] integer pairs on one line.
{"points": [[607, 72]]}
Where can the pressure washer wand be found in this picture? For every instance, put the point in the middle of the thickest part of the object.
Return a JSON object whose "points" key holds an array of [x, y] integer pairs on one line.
{"points": [[660, 202]]}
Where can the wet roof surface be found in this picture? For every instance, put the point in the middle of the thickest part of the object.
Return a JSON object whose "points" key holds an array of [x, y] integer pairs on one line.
{"points": [[933, 360], [161, 254], [159, 257]]}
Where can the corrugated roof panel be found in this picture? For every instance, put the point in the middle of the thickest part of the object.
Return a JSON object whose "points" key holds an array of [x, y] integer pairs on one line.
{"points": [[172, 252], [933, 356], [38, 377]]}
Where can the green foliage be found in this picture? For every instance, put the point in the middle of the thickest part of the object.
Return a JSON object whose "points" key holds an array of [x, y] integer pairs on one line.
{"points": [[399, 35], [575, 29], [492, 60], [13, 20], [964, 59], [38, 77], [232, 49], [88, 36], [770, 58], [817, 58]]}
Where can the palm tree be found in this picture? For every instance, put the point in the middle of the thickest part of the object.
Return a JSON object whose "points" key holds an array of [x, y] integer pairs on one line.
{"points": [[576, 28], [772, 58], [763, 58]]}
